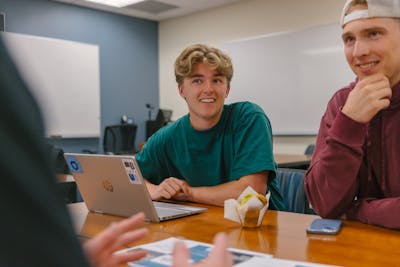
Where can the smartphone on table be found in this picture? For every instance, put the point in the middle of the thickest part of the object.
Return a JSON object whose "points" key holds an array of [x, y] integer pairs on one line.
{"points": [[325, 226]]}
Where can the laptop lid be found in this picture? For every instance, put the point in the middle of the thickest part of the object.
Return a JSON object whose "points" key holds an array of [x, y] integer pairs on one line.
{"points": [[113, 184]]}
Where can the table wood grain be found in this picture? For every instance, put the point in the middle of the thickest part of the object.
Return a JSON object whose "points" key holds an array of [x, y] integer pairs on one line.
{"points": [[282, 234]]}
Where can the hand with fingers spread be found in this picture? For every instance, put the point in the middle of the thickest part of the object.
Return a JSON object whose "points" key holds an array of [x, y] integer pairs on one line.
{"points": [[218, 257], [368, 97], [100, 250]]}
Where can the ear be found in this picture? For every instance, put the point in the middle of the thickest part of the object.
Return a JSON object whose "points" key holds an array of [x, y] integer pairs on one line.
{"points": [[180, 90], [228, 89]]}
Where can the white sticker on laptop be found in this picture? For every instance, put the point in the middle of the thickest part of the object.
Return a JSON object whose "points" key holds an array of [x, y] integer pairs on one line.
{"points": [[131, 171]]}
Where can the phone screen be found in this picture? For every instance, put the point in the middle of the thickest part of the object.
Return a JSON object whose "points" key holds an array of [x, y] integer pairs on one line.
{"points": [[324, 226]]}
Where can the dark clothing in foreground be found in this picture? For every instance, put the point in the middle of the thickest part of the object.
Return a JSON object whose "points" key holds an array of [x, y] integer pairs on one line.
{"points": [[36, 228]]}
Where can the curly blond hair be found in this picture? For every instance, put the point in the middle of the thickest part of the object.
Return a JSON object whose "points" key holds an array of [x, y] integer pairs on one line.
{"points": [[200, 53]]}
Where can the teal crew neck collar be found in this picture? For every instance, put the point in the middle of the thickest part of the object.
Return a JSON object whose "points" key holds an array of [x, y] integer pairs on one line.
{"points": [[186, 121]]}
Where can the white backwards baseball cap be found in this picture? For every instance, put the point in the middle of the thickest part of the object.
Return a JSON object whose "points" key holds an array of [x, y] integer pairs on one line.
{"points": [[376, 8]]}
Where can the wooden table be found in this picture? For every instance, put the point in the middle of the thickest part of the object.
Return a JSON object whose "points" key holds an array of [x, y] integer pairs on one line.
{"points": [[282, 234], [292, 160]]}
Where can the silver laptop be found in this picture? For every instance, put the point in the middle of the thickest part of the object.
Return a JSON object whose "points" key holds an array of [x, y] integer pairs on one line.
{"points": [[114, 185]]}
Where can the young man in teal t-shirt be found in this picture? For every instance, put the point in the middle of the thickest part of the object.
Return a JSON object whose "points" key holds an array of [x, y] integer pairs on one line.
{"points": [[216, 151]]}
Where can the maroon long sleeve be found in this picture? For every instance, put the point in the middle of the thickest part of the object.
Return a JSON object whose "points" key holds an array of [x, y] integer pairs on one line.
{"points": [[355, 168]]}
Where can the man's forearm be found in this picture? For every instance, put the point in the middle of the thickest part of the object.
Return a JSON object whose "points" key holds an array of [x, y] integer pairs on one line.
{"points": [[329, 188], [382, 212], [216, 195]]}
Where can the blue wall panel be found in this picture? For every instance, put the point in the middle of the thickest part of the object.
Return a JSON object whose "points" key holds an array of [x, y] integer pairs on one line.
{"points": [[128, 56]]}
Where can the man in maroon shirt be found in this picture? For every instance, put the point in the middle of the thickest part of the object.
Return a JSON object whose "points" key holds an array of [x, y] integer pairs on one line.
{"points": [[355, 169]]}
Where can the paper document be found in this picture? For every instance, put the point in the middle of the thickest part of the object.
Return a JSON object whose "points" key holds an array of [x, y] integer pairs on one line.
{"points": [[160, 255]]}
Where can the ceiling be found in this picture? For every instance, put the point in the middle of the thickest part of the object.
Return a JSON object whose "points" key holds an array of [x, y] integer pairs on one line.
{"points": [[156, 10]]}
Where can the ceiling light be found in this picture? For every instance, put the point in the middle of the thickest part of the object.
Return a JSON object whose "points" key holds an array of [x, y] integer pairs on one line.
{"points": [[116, 3]]}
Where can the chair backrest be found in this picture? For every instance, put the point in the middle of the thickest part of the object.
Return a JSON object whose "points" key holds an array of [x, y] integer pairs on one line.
{"points": [[291, 185], [120, 139], [309, 149], [57, 159]]}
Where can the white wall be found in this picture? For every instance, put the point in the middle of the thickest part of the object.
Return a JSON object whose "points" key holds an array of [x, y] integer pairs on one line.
{"points": [[243, 19]]}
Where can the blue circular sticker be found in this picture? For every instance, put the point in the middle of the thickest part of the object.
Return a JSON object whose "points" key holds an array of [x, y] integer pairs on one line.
{"points": [[73, 164]]}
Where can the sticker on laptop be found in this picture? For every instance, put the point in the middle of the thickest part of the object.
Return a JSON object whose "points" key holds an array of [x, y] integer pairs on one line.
{"points": [[131, 171], [73, 164]]}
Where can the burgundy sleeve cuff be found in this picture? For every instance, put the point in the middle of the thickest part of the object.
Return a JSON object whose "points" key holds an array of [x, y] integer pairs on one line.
{"points": [[348, 131]]}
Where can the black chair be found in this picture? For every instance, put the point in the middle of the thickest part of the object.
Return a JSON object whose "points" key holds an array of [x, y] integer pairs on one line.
{"points": [[120, 139], [291, 185], [162, 119], [68, 189], [57, 159], [309, 149]]}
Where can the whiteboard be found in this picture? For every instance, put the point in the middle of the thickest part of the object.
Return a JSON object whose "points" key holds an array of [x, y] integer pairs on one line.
{"points": [[291, 75], [64, 78]]}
